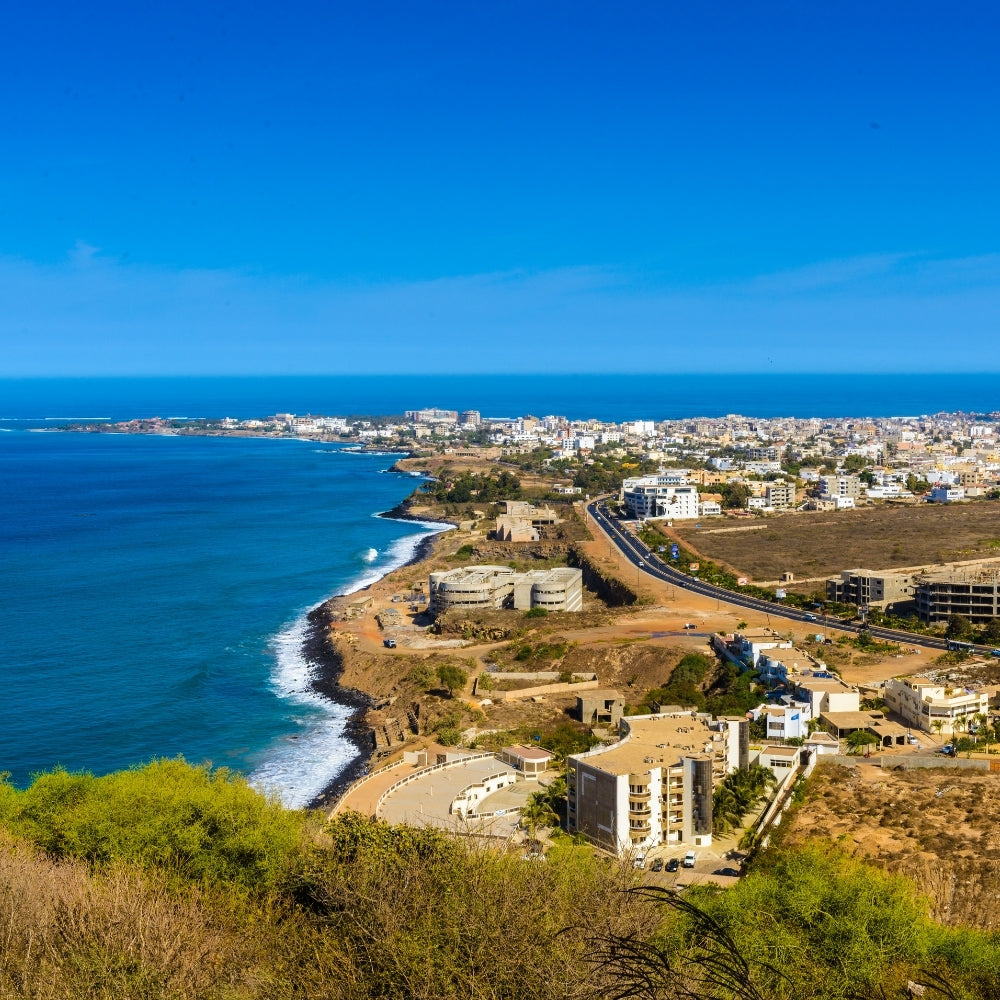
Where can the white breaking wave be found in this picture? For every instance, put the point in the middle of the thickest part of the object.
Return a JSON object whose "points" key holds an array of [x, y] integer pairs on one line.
{"points": [[369, 555], [297, 769]]}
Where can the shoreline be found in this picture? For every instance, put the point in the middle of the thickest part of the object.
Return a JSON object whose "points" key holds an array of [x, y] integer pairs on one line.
{"points": [[327, 666]]}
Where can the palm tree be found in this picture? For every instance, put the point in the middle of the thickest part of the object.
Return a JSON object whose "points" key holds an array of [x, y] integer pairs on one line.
{"points": [[981, 723], [537, 812], [937, 725], [726, 810]]}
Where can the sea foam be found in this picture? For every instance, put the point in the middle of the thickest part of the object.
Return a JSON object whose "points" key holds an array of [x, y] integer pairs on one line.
{"points": [[298, 768]]}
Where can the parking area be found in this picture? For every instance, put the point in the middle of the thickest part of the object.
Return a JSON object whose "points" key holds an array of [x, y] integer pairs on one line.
{"points": [[720, 866]]}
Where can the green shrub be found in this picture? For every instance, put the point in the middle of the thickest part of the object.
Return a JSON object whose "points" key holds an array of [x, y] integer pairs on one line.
{"points": [[193, 822]]}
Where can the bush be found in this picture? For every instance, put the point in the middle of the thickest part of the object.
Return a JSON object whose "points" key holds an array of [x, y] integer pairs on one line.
{"points": [[453, 677], [198, 824], [536, 613]]}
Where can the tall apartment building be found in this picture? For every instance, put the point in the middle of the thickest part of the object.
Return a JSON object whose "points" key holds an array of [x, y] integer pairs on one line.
{"points": [[876, 589], [432, 416], [974, 593], [780, 494], [660, 496], [839, 486], [655, 785], [765, 453]]}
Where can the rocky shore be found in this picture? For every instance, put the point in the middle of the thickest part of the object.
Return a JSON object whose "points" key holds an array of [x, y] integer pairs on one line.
{"points": [[328, 667]]}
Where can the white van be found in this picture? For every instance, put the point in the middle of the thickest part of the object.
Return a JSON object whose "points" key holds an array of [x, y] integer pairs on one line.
{"points": [[689, 859]]}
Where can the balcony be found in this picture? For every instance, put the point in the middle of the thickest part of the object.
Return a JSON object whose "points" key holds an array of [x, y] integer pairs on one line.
{"points": [[638, 810], [639, 826]]}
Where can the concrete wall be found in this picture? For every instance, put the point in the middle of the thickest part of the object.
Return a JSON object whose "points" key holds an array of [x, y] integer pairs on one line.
{"points": [[542, 689]]}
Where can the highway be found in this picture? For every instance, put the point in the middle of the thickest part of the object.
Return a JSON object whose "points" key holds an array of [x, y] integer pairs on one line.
{"points": [[650, 563]]}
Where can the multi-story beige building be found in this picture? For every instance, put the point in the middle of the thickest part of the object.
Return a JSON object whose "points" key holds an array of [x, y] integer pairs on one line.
{"points": [[655, 785], [886, 590], [780, 494], [923, 704]]}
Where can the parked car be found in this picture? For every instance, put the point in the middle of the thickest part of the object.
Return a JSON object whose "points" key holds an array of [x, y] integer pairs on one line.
{"points": [[657, 865], [689, 859], [389, 643], [640, 861], [673, 864], [690, 625], [730, 872]]}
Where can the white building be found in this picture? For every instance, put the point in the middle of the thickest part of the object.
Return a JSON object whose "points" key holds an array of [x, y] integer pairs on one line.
{"points": [[785, 722], [654, 496], [655, 785], [946, 494], [924, 704]]}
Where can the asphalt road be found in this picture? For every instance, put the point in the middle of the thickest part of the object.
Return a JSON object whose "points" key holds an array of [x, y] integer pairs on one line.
{"points": [[649, 562]]}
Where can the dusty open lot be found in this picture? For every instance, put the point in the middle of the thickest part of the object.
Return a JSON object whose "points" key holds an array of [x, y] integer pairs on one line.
{"points": [[820, 544], [937, 827]]}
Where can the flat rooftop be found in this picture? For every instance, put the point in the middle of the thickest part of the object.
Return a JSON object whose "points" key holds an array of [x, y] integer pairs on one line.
{"points": [[656, 741]]}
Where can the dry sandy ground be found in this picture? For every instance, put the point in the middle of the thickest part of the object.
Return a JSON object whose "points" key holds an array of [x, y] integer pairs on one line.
{"points": [[937, 827], [816, 544], [631, 649]]}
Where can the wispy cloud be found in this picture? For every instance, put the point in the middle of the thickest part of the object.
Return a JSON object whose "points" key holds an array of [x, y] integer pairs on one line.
{"points": [[92, 314]]}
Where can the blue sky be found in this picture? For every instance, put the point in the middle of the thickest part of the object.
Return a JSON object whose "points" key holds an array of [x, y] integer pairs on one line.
{"points": [[459, 187]]}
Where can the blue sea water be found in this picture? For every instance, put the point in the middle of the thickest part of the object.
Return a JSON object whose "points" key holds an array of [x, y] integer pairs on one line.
{"points": [[604, 397], [154, 589], [154, 592]]}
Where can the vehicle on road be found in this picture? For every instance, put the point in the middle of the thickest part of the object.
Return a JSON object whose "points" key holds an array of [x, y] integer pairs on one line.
{"points": [[689, 859], [389, 643], [690, 625], [912, 740], [657, 865], [811, 618], [640, 861], [673, 864]]}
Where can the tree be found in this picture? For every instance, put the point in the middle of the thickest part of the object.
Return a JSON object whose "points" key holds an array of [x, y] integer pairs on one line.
{"points": [[991, 633], [537, 811], [937, 725], [861, 739], [959, 627], [453, 677], [734, 496]]}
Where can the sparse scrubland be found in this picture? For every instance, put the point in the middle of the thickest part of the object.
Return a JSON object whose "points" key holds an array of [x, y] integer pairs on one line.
{"points": [[173, 882]]}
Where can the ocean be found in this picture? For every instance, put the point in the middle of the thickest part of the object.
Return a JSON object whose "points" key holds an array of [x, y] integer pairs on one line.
{"points": [[155, 592], [155, 588], [604, 397]]}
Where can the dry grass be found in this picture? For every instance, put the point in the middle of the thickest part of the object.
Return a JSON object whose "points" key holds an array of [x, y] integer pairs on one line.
{"points": [[64, 933], [936, 827], [821, 544]]}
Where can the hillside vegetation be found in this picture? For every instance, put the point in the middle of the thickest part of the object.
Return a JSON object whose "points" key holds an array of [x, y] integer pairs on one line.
{"points": [[175, 882]]}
